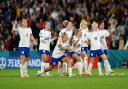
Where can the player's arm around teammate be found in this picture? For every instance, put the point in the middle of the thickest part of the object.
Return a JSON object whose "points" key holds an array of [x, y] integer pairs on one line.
{"points": [[59, 54]]}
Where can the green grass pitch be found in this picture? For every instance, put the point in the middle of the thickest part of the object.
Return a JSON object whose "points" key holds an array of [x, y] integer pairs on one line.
{"points": [[9, 79]]}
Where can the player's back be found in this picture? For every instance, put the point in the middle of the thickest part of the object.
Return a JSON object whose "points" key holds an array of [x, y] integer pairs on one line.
{"points": [[57, 51]]}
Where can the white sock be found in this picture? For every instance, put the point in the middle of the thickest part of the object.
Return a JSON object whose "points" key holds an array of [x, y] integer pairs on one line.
{"points": [[26, 66], [22, 69], [70, 72], [106, 66], [65, 67], [42, 66], [109, 67], [100, 68], [82, 64], [46, 66], [85, 65], [90, 68], [59, 68], [79, 67]]}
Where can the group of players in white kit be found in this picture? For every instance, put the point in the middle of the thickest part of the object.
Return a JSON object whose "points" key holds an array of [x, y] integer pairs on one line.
{"points": [[70, 42]]}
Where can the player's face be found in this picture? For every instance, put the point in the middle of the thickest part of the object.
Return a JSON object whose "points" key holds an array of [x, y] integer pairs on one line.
{"points": [[101, 26], [83, 24], [79, 33], [95, 26], [65, 38], [47, 26], [24, 23], [70, 26]]}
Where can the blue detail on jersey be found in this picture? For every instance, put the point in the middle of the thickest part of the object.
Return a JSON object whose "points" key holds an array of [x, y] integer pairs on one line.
{"points": [[26, 34], [95, 38]]}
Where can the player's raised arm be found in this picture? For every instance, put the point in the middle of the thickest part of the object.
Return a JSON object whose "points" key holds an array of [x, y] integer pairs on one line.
{"points": [[14, 29]]}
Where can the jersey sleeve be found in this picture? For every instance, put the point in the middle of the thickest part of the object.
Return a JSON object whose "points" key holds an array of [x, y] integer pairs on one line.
{"points": [[30, 30], [60, 33], [89, 35], [41, 35], [107, 33], [50, 36]]}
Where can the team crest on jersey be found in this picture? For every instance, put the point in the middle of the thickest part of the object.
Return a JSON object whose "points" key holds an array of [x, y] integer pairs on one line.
{"points": [[95, 38], [27, 34], [85, 35]]}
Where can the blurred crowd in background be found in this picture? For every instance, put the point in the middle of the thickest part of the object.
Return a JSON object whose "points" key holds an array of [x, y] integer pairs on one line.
{"points": [[113, 12]]}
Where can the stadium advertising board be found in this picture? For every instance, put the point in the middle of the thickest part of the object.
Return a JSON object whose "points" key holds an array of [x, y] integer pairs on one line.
{"points": [[14, 62]]}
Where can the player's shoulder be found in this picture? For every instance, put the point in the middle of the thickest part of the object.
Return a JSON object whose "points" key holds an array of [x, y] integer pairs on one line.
{"points": [[75, 37], [62, 31], [89, 33], [29, 29]]}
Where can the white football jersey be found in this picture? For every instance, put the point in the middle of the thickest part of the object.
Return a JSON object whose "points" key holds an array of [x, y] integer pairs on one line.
{"points": [[77, 47], [45, 39], [94, 38], [69, 33], [57, 51], [84, 37], [24, 34], [104, 33]]}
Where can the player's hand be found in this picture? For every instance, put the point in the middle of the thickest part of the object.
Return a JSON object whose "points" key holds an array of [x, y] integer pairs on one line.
{"points": [[54, 38]]}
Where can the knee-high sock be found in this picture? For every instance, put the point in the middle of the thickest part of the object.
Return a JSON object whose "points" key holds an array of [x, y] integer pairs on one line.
{"points": [[65, 67], [22, 69], [59, 68], [80, 67], [46, 66], [70, 72], [26, 68], [106, 66], [42, 66], [109, 67], [85, 65], [90, 68], [100, 68]]}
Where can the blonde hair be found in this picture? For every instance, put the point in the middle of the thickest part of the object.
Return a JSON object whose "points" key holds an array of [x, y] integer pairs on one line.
{"points": [[65, 23], [83, 24]]}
